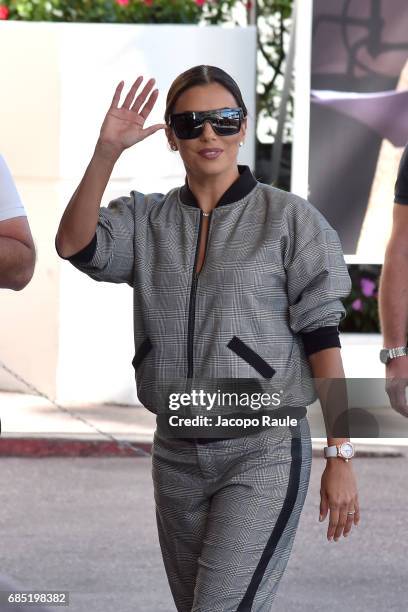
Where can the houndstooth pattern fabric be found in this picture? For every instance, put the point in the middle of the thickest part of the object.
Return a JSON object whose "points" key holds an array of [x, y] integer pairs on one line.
{"points": [[274, 267], [227, 514]]}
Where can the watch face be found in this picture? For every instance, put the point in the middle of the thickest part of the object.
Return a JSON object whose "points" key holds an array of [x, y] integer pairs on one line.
{"points": [[346, 450], [384, 355]]}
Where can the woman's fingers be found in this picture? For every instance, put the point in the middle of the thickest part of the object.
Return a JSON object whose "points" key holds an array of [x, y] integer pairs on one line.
{"points": [[149, 104], [342, 517], [127, 104], [152, 129], [349, 520], [357, 511], [333, 520], [338, 521], [131, 94], [142, 96], [324, 506], [342, 522], [116, 95]]}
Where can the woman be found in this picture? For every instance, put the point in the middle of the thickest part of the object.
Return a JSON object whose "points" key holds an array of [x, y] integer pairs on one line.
{"points": [[234, 282]]}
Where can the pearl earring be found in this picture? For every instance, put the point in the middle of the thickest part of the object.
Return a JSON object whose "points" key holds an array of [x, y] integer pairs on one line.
{"points": [[240, 144]]}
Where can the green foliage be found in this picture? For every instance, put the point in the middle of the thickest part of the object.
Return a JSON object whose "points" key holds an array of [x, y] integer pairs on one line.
{"points": [[117, 11], [274, 26], [219, 12]]}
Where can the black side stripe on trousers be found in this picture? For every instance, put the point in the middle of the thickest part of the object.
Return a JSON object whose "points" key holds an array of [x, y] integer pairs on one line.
{"points": [[283, 518]]}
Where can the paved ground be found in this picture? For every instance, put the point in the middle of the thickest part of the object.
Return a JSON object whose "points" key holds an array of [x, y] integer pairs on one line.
{"points": [[87, 525]]}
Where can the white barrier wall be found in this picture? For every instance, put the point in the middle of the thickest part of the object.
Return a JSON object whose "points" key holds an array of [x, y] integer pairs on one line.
{"points": [[68, 335]]}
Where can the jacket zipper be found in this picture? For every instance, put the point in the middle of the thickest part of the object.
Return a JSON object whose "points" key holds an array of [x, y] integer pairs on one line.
{"points": [[193, 292]]}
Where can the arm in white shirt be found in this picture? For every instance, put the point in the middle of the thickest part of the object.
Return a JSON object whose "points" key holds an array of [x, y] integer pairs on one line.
{"points": [[17, 251]]}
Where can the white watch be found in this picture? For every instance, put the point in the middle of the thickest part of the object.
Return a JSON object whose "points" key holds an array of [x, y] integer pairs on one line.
{"points": [[344, 450]]}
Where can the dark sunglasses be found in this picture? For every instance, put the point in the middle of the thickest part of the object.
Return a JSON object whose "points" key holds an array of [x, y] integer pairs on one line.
{"points": [[224, 121]]}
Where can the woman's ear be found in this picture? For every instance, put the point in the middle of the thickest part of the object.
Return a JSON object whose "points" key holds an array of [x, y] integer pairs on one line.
{"points": [[172, 145]]}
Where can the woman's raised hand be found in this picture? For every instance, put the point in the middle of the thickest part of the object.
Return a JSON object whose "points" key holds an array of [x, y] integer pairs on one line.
{"points": [[123, 126]]}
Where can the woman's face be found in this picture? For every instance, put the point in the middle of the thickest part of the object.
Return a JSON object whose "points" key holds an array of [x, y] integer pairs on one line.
{"points": [[201, 98]]}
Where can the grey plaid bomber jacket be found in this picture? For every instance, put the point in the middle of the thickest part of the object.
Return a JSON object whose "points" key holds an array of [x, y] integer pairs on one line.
{"points": [[268, 294]]}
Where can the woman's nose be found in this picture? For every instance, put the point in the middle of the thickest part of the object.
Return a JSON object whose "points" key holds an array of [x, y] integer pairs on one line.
{"points": [[208, 129]]}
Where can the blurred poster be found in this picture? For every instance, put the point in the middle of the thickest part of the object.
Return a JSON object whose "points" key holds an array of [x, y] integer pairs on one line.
{"points": [[358, 117]]}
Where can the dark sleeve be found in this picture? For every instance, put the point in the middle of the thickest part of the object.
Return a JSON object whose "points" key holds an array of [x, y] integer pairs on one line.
{"points": [[401, 185], [84, 255], [320, 338]]}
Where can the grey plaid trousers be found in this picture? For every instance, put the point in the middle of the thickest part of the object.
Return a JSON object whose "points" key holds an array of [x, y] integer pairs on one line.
{"points": [[227, 512]]}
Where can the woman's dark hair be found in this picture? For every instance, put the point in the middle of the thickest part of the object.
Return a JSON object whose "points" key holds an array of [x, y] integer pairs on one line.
{"points": [[201, 75]]}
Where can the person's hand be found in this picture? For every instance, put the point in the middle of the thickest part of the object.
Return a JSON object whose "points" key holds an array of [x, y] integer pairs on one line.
{"points": [[338, 495], [396, 372], [123, 126]]}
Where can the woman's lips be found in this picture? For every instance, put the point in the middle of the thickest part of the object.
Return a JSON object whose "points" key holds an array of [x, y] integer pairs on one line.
{"points": [[210, 154]]}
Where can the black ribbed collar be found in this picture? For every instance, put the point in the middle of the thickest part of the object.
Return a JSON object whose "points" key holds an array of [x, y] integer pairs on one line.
{"points": [[238, 190]]}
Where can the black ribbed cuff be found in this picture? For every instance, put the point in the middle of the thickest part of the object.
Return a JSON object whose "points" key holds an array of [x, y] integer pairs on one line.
{"points": [[400, 199], [321, 338], [84, 255]]}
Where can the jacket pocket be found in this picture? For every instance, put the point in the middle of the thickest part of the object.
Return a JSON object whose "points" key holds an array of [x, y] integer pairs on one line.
{"points": [[141, 352], [250, 356]]}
